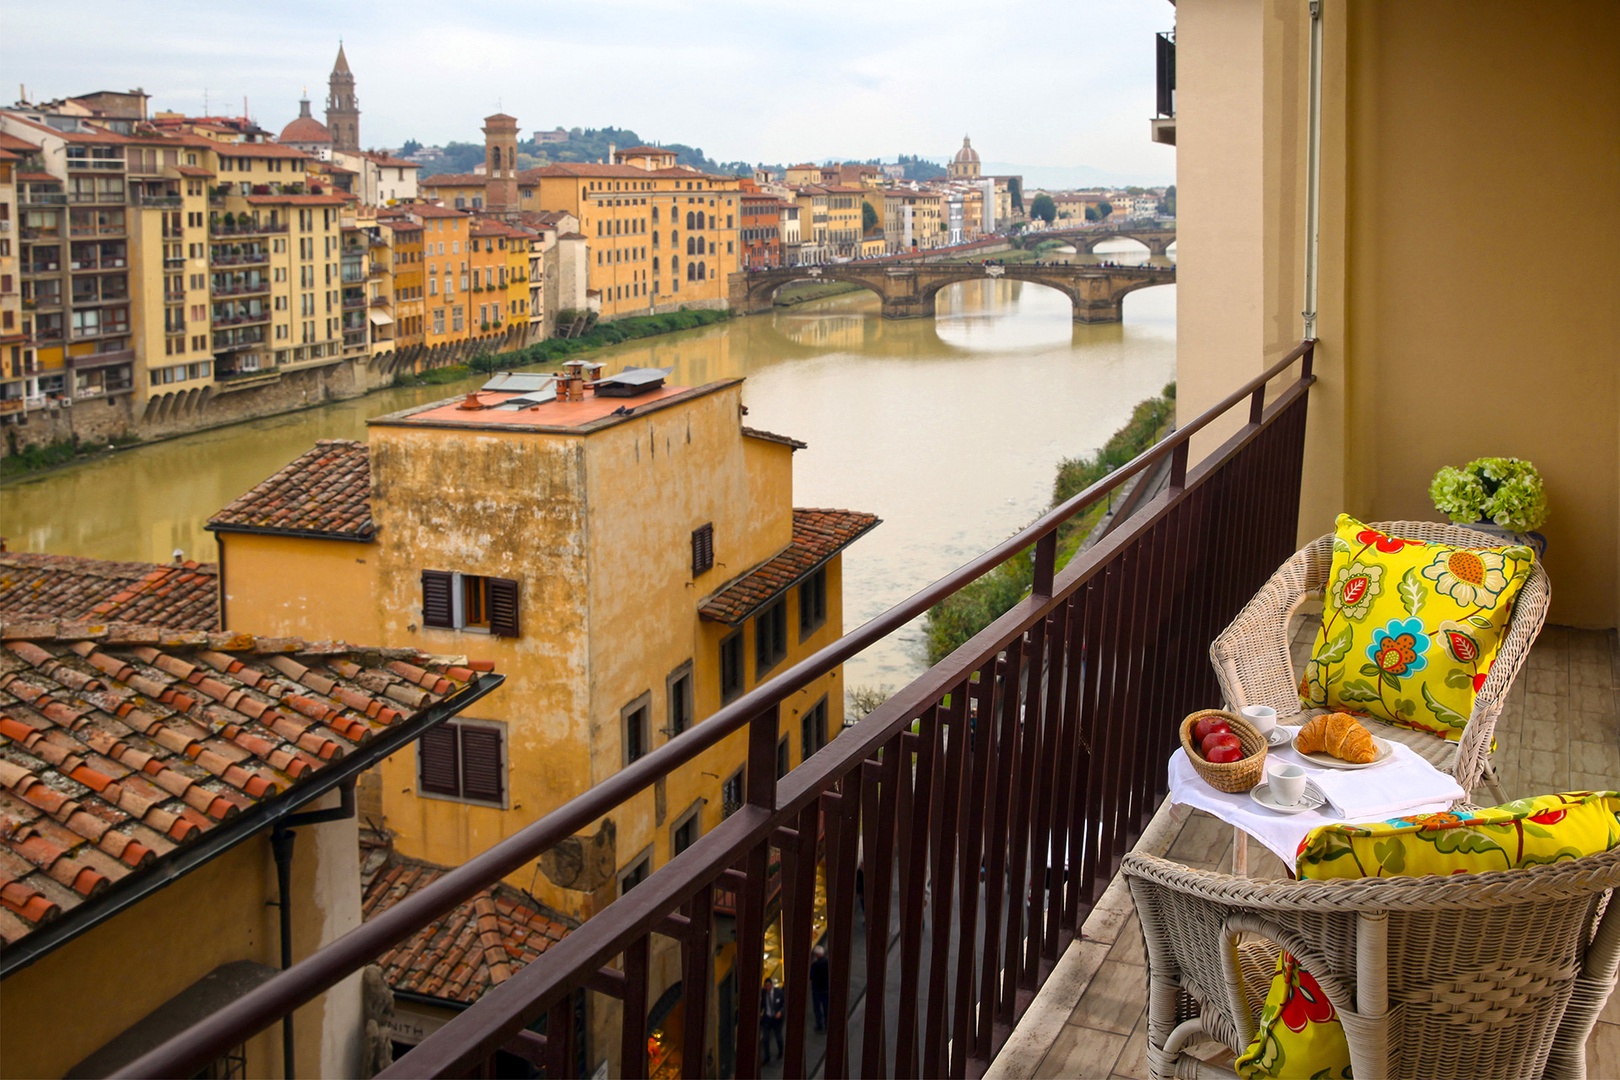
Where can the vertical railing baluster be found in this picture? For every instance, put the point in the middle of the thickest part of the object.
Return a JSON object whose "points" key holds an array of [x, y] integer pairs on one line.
{"points": [[877, 829], [1019, 882], [750, 955], [997, 843], [697, 976], [1041, 947], [798, 922], [976, 780], [914, 886], [946, 827], [1071, 763], [560, 1039], [1103, 607], [633, 1025], [842, 816]]}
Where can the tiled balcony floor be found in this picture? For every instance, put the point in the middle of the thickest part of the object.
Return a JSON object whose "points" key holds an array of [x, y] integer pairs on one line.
{"points": [[1090, 1018]]}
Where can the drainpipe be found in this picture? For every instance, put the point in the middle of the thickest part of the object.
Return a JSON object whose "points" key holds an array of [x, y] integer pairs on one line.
{"points": [[281, 848], [1313, 167]]}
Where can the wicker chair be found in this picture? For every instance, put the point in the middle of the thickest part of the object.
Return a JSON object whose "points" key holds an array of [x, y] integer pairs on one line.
{"points": [[1485, 975], [1253, 664]]}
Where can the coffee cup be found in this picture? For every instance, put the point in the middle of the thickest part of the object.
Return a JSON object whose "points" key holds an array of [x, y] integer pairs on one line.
{"points": [[1287, 783], [1263, 717]]}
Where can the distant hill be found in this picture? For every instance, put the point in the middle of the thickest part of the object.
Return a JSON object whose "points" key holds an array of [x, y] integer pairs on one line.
{"points": [[591, 144]]}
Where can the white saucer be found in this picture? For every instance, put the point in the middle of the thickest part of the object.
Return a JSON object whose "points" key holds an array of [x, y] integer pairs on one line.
{"points": [[1328, 761], [1280, 736], [1312, 799]]}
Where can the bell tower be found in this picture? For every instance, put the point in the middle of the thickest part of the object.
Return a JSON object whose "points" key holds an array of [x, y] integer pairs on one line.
{"points": [[500, 163], [342, 110]]}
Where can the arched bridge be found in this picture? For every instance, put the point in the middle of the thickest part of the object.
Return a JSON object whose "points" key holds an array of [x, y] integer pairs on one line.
{"points": [[908, 289], [1157, 236]]}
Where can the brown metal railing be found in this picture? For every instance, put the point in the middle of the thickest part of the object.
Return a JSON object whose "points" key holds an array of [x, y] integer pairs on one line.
{"points": [[991, 800]]}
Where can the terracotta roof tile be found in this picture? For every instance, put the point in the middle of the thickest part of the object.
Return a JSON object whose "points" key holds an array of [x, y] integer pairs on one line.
{"points": [[94, 791], [771, 436], [818, 535], [184, 595], [325, 492], [476, 947]]}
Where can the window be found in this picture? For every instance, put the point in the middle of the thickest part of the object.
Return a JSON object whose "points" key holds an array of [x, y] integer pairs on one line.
{"points": [[770, 637], [813, 730], [463, 759], [782, 763], [812, 603], [732, 793], [679, 685], [702, 548], [456, 601], [635, 721], [731, 666], [686, 830], [635, 873]]}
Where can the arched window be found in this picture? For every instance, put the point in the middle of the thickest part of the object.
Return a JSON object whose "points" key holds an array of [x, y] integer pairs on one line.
{"points": [[691, 271], [655, 264], [655, 238], [675, 266], [703, 271], [700, 220], [655, 215], [689, 219], [674, 239]]}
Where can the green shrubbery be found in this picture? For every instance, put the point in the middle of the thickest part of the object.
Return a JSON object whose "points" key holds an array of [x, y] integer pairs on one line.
{"points": [[958, 617], [25, 459]]}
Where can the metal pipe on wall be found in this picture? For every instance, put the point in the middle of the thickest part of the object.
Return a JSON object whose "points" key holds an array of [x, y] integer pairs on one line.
{"points": [[1313, 167]]}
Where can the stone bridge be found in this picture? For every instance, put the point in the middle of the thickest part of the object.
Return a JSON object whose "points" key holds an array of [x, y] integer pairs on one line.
{"points": [[908, 289], [1157, 236]]}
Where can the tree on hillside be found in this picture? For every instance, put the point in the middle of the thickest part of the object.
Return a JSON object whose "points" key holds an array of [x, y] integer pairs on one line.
{"points": [[1015, 188], [460, 157], [918, 168], [1099, 211], [869, 218], [411, 146], [1044, 208]]}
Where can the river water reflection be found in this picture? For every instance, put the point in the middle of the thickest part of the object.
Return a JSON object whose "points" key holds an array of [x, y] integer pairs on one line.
{"points": [[949, 429]]}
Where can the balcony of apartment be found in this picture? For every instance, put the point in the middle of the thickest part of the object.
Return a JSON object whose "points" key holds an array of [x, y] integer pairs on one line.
{"points": [[40, 232], [42, 300], [34, 196], [109, 293], [156, 200], [88, 258], [239, 285], [100, 196], [353, 300], [244, 224], [238, 338], [95, 162], [239, 256], [113, 227], [240, 314], [104, 328]]}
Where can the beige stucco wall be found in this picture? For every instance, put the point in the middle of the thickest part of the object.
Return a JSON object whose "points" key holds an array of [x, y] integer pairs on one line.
{"points": [[1449, 327]]}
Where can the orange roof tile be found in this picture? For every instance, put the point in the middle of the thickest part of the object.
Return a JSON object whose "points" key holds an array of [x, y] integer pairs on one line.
{"points": [[129, 754], [454, 180], [818, 535], [261, 150], [472, 949], [182, 595], [378, 157], [297, 200], [323, 493], [771, 436]]}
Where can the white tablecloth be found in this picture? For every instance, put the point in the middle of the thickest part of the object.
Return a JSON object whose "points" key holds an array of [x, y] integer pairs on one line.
{"points": [[1404, 785]]}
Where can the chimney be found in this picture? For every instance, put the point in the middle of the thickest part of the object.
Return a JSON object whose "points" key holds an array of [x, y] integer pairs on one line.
{"points": [[612, 158]]}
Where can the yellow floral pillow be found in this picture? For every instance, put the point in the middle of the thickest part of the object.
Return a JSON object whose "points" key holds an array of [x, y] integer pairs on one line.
{"points": [[1410, 629], [1299, 1033]]}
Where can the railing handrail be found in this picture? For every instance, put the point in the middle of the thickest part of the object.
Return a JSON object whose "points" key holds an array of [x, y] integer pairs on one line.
{"points": [[719, 848]]}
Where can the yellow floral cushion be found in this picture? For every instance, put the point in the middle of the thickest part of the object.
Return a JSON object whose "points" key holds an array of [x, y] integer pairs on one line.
{"points": [[1299, 1033], [1410, 629]]}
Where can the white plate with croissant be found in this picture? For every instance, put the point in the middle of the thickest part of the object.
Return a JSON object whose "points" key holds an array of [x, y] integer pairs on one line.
{"points": [[1339, 741]]}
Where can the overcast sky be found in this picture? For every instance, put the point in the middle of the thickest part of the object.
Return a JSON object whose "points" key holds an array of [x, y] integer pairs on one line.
{"points": [[1059, 84]]}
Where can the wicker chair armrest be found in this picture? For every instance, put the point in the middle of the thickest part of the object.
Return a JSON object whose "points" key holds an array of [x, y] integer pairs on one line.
{"points": [[1251, 656]]}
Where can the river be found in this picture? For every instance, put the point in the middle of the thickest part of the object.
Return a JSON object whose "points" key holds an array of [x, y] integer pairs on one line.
{"points": [[949, 429]]}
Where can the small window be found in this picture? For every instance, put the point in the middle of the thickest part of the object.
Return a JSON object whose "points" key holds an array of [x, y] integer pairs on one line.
{"points": [[770, 637], [679, 685], [782, 765], [686, 831], [636, 721], [463, 759], [456, 601], [812, 603], [732, 793], [813, 730], [731, 666], [635, 873], [702, 548]]}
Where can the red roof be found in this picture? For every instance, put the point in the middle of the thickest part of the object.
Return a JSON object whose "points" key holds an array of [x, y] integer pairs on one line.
{"points": [[818, 535], [123, 746], [477, 946], [771, 436], [38, 178], [434, 210], [260, 150], [305, 129], [182, 595], [9, 141], [323, 493], [378, 157], [455, 180], [192, 170], [299, 200]]}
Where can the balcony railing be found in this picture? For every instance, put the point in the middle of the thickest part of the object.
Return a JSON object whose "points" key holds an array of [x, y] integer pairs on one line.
{"points": [[246, 258], [157, 202], [216, 228], [43, 198], [241, 288], [993, 798]]}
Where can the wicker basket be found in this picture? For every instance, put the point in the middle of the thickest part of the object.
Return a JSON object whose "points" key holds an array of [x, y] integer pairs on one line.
{"points": [[1234, 777]]}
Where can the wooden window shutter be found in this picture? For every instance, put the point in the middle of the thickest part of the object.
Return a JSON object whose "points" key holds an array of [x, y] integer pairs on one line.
{"points": [[482, 776], [702, 548], [440, 760], [436, 606], [503, 606]]}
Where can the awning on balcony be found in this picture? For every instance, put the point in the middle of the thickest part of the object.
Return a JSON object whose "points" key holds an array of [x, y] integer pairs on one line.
{"points": [[380, 318]]}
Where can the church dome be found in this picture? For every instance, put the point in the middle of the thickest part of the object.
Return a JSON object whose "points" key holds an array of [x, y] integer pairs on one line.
{"points": [[305, 129], [966, 154]]}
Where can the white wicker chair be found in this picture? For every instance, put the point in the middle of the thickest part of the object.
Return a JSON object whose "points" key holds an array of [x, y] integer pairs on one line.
{"points": [[1253, 664], [1484, 975]]}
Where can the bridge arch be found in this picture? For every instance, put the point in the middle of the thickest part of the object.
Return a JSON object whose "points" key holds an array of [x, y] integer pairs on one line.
{"points": [[930, 293], [762, 292]]}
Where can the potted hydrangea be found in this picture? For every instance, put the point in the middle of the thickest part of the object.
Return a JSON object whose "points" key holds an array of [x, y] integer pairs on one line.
{"points": [[1499, 495]]}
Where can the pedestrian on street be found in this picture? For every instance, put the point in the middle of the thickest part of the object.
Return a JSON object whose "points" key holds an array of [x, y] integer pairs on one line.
{"points": [[818, 986], [772, 1019]]}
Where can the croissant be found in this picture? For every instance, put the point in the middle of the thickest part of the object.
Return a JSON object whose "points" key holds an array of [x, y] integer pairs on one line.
{"points": [[1339, 734]]}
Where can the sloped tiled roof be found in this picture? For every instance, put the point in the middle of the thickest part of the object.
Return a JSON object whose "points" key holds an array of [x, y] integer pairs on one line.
{"points": [[325, 493], [771, 436], [183, 595], [818, 535], [123, 747], [476, 947], [455, 180]]}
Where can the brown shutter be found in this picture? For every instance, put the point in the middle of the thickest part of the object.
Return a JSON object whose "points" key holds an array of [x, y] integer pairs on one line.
{"points": [[482, 776], [503, 606], [702, 549], [436, 607], [440, 761]]}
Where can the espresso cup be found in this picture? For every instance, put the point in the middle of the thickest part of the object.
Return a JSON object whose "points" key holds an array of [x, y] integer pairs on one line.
{"points": [[1287, 783], [1263, 717]]}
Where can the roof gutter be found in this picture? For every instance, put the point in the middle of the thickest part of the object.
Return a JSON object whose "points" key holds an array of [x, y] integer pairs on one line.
{"points": [[302, 534], [268, 814]]}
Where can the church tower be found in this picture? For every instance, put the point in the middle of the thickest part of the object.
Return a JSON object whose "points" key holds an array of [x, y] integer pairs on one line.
{"points": [[500, 163], [342, 110]]}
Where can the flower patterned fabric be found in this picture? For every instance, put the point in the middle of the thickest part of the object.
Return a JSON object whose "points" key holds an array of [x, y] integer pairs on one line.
{"points": [[1409, 629], [1299, 1034]]}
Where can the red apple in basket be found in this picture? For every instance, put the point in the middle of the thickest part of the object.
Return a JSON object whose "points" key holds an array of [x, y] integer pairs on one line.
{"points": [[1220, 741], [1208, 726]]}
